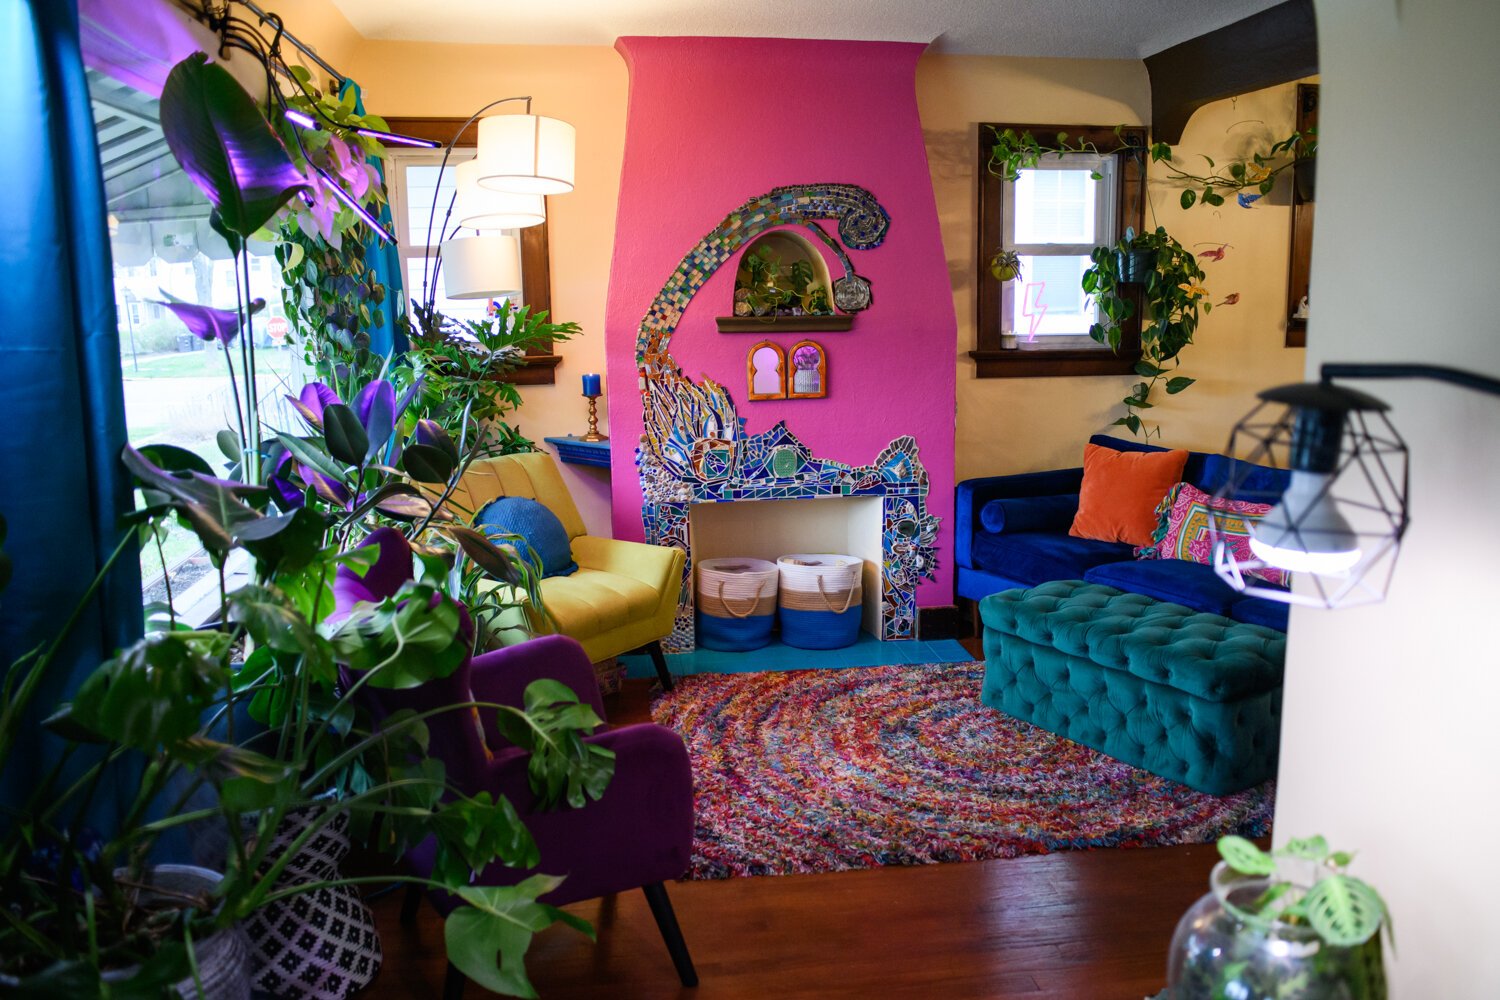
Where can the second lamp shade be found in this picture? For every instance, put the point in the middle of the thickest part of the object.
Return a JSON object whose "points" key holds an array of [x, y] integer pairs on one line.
{"points": [[478, 207]]}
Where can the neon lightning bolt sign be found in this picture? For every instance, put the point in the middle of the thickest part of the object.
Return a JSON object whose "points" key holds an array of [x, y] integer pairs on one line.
{"points": [[1033, 307]]}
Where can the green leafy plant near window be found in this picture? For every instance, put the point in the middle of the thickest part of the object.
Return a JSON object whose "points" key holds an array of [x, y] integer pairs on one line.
{"points": [[1171, 297], [1245, 178]]}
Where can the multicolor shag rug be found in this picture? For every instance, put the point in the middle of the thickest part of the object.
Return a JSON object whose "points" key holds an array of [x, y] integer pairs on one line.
{"points": [[829, 770]]}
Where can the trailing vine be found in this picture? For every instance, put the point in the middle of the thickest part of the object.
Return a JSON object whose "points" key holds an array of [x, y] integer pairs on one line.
{"points": [[1015, 151]]}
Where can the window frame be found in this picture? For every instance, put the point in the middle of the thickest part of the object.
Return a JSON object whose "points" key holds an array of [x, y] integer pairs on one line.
{"points": [[1129, 197], [539, 366]]}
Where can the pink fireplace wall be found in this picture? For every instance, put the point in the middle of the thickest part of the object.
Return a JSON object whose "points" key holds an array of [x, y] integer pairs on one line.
{"points": [[713, 122]]}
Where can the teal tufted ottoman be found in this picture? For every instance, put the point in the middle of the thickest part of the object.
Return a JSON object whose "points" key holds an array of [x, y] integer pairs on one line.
{"points": [[1189, 696]]}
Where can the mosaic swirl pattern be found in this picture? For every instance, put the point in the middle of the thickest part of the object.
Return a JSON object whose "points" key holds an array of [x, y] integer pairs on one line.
{"points": [[829, 770], [694, 448]]}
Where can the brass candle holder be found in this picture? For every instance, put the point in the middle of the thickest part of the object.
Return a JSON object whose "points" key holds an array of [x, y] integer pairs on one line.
{"points": [[593, 434]]}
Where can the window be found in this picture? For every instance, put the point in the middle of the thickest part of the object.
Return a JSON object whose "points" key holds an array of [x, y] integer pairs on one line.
{"points": [[410, 177], [176, 387], [1052, 217], [414, 186]]}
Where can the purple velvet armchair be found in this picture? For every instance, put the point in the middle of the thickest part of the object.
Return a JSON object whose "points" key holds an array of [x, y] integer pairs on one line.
{"points": [[638, 835]]}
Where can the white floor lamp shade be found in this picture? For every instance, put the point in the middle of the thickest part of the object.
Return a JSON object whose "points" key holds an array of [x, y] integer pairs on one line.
{"points": [[482, 267], [482, 209], [526, 154]]}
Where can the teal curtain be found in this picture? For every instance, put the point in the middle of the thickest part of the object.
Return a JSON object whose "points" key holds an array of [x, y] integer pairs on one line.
{"points": [[385, 263], [61, 402]]}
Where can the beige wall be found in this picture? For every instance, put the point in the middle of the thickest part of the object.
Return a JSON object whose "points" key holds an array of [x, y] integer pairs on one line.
{"points": [[1022, 424], [583, 85], [1389, 736]]}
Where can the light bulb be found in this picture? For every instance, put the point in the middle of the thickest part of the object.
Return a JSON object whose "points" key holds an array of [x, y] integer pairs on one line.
{"points": [[1306, 532]]}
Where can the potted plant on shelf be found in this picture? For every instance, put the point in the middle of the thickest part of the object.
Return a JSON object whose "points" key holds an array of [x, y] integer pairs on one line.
{"points": [[1288, 925], [1169, 283]]}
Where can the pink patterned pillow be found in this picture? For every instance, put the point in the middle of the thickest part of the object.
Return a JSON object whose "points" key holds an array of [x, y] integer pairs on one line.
{"points": [[1182, 529]]}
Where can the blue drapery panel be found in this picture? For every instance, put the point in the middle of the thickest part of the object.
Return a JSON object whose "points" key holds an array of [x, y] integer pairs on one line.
{"points": [[385, 263], [61, 404]]}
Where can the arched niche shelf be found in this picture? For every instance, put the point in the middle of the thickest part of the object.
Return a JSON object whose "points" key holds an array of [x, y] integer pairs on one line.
{"points": [[782, 283]]}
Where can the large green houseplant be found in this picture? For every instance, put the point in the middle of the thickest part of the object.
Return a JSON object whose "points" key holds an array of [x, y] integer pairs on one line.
{"points": [[1169, 283], [293, 510]]}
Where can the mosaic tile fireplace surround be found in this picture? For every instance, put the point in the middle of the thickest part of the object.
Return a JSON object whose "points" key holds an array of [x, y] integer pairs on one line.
{"points": [[687, 441]]}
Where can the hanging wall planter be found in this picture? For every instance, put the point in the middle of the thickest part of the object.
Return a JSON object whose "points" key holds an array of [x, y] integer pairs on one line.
{"points": [[1305, 174], [1134, 265]]}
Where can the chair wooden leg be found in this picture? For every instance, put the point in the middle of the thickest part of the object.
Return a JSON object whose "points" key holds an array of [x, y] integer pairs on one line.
{"points": [[666, 922], [412, 903], [453, 985], [659, 658]]}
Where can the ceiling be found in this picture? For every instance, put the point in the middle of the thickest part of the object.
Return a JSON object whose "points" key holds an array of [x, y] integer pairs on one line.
{"points": [[1085, 29]]}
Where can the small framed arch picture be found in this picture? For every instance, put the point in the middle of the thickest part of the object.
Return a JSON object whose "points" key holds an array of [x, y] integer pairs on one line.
{"points": [[765, 371], [809, 371]]}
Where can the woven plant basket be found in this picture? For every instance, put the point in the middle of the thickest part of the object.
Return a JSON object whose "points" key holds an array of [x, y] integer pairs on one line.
{"points": [[736, 603], [820, 602]]}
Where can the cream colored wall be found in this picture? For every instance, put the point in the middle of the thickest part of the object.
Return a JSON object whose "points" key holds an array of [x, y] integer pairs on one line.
{"points": [[1022, 424], [583, 85], [1389, 737]]}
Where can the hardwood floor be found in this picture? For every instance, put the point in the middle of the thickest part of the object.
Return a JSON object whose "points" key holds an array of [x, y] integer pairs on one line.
{"points": [[1081, 925]]}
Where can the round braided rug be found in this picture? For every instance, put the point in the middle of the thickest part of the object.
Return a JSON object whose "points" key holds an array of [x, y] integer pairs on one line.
{"points": [[829, 770]]}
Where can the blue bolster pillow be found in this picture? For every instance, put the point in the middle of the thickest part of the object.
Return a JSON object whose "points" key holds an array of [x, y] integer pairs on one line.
{"points": [[1010, 515]]}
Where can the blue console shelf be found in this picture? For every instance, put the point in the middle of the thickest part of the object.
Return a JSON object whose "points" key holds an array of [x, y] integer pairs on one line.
{"points": [[576, 451]]}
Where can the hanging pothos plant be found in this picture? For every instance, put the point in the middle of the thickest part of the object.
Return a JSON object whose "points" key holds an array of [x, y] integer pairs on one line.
{"points": [[1247, 178], [330, 293], [1172, 291]]}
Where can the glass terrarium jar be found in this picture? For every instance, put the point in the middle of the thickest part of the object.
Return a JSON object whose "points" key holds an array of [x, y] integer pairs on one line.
{"points": [[1222, 951]]}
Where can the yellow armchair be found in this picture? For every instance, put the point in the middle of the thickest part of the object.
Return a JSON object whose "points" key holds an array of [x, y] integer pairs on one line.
{"points": [[623, 596]]}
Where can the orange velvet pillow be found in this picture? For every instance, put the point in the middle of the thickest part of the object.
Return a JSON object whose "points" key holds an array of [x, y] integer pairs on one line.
{"points": [[1117, 502]]}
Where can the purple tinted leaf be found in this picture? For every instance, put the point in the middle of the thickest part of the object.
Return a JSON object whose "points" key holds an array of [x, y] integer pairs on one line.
{"points": [[311, 401], [224, 143], [325, 486], [286, 495], [407, 396], [206, 322], [376, 408]]}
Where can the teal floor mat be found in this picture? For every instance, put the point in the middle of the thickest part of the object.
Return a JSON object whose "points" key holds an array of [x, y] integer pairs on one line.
{"points": [[866, 652]]}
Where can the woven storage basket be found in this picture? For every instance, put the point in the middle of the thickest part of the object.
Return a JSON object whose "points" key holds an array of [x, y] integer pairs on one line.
{"points": [[820, 602], [736, 603]]}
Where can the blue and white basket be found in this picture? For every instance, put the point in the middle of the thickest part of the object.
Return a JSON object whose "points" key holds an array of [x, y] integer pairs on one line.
{"points": [[820, 602], [736, 603]]}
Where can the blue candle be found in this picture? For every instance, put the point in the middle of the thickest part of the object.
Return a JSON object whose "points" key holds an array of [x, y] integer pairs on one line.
{"points": [[591, 385]]}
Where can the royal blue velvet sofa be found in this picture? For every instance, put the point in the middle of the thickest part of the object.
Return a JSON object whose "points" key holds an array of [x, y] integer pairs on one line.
{"points": [[1033, 546]]}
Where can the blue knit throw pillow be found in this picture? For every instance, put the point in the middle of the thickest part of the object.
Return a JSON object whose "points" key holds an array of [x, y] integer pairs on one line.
{"points": [[535, 523]]}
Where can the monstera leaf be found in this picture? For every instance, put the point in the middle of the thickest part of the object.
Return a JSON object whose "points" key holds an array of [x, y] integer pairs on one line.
{"points": [[224, 143]]}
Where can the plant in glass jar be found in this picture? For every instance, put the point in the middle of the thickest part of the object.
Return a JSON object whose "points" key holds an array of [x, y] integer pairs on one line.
{"points": [[1285, 925]]}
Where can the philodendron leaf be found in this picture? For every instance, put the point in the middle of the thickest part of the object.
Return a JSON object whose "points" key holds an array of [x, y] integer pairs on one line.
{"points": [[1176, 385], [1344, 911], [488, 939], [155, 691], [1245, 857], [222, 141]]}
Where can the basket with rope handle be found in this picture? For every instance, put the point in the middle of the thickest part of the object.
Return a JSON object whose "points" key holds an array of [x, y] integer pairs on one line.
{"points": [[736, 605], [821, 600]]}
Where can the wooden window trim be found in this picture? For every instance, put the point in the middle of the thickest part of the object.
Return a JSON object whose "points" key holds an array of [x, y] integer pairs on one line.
{"points": [[1299, 272], [990, 360], [536, 271]]}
